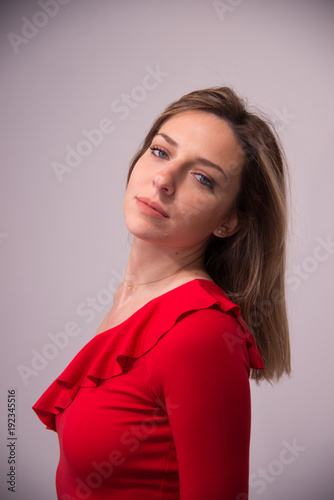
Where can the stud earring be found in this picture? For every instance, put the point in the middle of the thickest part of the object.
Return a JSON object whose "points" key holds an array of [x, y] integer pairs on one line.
{"points": [[221, 232]]}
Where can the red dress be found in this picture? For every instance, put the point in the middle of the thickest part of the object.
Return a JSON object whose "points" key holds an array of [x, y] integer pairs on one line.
{"points": [[158, 407]]}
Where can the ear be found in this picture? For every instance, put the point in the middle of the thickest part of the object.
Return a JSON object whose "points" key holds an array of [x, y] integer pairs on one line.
{"points": [[229, 227]]}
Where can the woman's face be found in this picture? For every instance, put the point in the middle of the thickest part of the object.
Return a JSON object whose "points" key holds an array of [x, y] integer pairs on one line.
{"points": [[184, 186]]}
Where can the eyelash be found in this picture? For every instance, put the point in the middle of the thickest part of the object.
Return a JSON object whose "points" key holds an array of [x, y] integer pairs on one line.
{"points": [[205, 181], [160, 150]]}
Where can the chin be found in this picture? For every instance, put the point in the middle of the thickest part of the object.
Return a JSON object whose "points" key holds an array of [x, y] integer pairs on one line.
{"points": [[138, 230]]}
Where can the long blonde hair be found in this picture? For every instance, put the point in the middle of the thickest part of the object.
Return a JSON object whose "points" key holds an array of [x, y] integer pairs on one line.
{"points": [[249, 265]]}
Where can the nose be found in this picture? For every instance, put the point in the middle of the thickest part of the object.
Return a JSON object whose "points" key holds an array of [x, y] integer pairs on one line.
{"points": [[164, 180]]}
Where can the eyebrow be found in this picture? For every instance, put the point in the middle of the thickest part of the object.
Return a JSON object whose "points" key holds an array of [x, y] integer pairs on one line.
{"points": [[202, 161]]}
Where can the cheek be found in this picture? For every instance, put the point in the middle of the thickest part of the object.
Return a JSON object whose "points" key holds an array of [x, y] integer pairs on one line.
{"points": [[139, 169], [133, 181], [199, 215], [129, 197], [194, 205], [190, 209], [133, 188]]}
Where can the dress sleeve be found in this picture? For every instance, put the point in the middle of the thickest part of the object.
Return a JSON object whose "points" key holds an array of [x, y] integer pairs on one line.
{"points": [[203, 381]]}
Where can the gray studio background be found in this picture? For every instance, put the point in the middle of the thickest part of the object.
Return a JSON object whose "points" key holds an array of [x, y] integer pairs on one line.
{"points": [[63, 242]]}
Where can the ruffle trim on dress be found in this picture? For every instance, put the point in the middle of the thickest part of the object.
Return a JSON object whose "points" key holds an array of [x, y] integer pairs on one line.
{"points": [[105, 356]]}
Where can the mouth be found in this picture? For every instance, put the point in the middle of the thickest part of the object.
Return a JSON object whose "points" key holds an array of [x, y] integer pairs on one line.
{"points": [[151, 207]]}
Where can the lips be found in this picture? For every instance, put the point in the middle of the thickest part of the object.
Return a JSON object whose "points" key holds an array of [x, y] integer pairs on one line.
{"points": [[152, 205]]}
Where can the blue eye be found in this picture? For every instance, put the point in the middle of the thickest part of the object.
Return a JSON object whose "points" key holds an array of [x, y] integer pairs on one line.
{"points": [[159, 153], [204, 180]]}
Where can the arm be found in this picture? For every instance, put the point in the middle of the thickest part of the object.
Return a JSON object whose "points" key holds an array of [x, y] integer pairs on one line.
{"points": [[196, 371]]}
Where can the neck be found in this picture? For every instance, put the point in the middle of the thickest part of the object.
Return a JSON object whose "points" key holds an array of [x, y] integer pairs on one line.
{"points": [[159, 269], [150, 262]]}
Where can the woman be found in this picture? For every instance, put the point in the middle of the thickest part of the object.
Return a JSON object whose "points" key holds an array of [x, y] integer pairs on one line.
{"points": [[157, 404]]}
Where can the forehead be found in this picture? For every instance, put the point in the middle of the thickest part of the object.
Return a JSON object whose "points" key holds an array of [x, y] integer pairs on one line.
{"points": [[197, 120], [205, 134]]}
